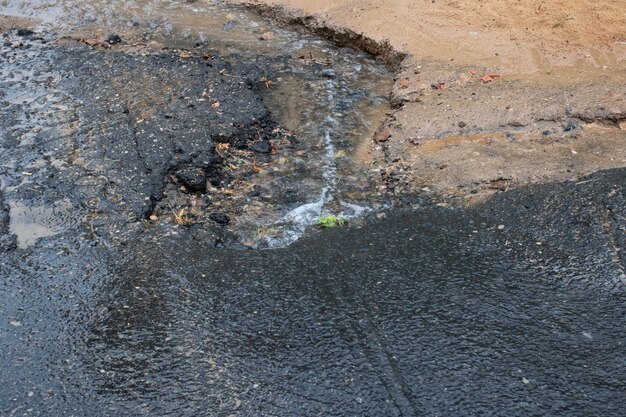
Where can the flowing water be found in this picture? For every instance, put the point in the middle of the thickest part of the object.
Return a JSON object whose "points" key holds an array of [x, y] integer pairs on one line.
{"points": [[332, 99]]}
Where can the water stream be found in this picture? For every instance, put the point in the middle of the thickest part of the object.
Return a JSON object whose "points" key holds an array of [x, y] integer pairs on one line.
{"points": [[332, 99]]}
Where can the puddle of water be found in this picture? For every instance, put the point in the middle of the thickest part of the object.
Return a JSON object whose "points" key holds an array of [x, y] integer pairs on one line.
{"points": [[29, 223]]}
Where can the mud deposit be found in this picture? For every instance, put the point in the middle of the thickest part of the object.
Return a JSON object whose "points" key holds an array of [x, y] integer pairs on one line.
{"points": [[137, 176]]}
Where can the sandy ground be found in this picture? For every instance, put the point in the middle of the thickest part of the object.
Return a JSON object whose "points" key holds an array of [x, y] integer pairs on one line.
{"points": [[512, 34], [491, 93]]}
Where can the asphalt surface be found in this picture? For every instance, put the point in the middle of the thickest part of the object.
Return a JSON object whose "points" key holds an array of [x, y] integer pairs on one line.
{"points": [[425, 312]]}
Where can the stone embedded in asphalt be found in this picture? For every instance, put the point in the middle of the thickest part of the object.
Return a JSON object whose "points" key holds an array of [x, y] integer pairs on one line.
{"points": [[206, 160], [261, 147], [219, 218], [229, 25], [570, 126], [382, 136], [194, 179], [24, 32], [113, 39]]}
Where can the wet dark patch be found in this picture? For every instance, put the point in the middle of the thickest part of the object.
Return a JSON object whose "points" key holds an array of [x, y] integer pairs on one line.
{"points": [[7, 241], [434, 311], [136, 126], [587, 216]]}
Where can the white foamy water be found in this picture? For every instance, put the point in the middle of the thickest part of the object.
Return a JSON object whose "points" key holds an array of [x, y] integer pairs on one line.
{"points": [[295, 222]]}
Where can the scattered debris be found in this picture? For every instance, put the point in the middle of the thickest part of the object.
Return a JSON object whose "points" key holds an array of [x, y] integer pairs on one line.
{"points": [[438, 85], [23, 32], [93, 42], [193, 179], [570, 126]]}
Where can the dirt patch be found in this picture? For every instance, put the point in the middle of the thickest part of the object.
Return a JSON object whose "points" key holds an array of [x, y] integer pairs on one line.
{"points": [[492, 32], [489, 94]]}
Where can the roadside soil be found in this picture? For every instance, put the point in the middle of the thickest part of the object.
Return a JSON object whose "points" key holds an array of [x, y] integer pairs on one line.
{"points": [[489, 94]]}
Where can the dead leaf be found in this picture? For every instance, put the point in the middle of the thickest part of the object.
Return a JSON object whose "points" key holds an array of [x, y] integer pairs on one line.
{"points": [[216, 105], [180, 217], [489, 77], [221, 148], [255, 166], [185, 54], [404, 84]]}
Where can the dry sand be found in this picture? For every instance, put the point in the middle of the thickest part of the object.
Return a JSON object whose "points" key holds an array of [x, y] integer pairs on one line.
{"points": [[513, 34]]}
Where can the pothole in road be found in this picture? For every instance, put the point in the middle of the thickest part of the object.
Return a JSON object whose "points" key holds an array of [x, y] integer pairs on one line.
{"points": [[267, 185]]}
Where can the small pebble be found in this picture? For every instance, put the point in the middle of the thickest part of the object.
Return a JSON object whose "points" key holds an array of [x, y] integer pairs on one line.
{"points": [[113, 39]]}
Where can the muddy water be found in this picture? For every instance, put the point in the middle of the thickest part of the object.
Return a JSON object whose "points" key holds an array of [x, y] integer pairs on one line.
{"points": [[332, 99]]}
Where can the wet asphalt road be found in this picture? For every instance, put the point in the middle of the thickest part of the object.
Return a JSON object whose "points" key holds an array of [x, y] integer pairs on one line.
{"points": [[513, 308], [426, 312]]}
